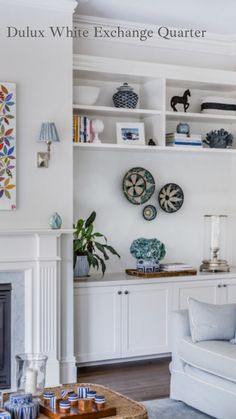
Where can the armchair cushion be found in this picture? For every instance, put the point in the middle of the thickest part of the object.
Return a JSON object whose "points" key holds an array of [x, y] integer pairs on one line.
{"points": [[216, 357], [211, 321]]}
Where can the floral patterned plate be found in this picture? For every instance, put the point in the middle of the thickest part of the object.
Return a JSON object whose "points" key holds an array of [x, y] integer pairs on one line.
{"points": [[138, 185], [171, 197]]}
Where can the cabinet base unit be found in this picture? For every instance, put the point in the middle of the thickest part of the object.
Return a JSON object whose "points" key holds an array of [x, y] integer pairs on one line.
{"points": [[118, 319]]}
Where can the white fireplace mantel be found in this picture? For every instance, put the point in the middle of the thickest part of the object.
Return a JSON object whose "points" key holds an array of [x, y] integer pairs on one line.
{"points": [[45, 257]]}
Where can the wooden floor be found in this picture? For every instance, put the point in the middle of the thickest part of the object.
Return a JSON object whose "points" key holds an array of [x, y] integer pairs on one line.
{"points": [[138, 380]]}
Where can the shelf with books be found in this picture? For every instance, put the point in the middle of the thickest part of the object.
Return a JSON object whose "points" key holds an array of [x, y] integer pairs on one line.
{"points": [[110, 110]]}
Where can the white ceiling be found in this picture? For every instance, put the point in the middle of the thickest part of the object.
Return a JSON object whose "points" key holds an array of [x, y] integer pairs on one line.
{"points": [[215, 16]]}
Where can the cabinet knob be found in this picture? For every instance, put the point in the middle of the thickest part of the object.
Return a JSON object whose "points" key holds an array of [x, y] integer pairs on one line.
{"points": [[219, 286], [225, 285], [119, 292], [126, 292]]}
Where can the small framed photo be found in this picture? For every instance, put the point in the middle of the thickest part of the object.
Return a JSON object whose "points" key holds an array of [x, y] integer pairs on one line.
{"points": [[130, 133]]}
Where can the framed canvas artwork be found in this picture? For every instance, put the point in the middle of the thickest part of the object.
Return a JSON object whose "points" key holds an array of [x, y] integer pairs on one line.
{"points": [[7, 146], [130, 133]]}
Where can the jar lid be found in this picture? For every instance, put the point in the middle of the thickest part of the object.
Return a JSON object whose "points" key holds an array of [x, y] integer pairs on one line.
{"points": [[48, 395], [73, 396], [64, 403], [99, 398], [20, 398], [125, 88]]}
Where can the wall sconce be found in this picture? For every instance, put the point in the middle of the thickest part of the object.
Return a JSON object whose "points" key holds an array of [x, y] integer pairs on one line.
{"points": [[48, 134]]}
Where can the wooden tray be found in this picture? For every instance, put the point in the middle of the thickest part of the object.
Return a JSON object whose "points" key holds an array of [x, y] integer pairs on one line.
{"points": [[147, 275], [77, 414]]}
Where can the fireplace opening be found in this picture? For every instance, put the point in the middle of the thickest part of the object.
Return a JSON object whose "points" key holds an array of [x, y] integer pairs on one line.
{"points": [[5, 336]]}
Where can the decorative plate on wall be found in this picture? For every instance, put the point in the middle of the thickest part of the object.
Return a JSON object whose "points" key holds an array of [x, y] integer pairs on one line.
{"points": [[149, 212], [138, 185], [171, 197]]}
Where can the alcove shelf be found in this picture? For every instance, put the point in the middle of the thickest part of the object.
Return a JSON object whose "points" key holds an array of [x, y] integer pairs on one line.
{"points": [[150, 149], [155, 84], [109, 110], [203, 117]]}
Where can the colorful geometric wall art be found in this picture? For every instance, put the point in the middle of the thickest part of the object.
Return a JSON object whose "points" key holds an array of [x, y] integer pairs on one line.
{"points": [[7, 146]]}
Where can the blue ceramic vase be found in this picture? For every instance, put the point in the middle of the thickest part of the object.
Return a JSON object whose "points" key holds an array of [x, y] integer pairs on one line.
{"points": [[81, 266], [55, 221]]}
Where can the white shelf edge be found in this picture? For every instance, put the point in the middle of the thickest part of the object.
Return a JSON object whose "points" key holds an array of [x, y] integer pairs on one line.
{"points": [[31, 231], [155, 149], [113, 110], [199, 116]]}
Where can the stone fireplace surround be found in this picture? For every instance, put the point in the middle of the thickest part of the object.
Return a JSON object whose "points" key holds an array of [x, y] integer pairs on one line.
{"points": [[44, 257]]}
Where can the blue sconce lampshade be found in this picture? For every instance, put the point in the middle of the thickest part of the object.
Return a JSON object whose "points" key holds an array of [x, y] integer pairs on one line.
{"points": [[48, 132]]}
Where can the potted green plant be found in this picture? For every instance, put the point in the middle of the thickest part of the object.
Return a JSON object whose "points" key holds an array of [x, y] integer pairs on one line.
{"points": [[90, 248]]}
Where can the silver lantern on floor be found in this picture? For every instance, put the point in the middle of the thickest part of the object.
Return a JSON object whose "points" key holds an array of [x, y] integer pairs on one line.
{"points": [[215, 227]]}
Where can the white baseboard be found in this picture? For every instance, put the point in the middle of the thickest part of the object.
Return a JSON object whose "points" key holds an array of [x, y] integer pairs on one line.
{"points": [[68, 371]]}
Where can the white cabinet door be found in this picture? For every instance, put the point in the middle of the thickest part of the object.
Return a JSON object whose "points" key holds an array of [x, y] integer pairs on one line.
{"points": [[145, 312], [228, 290], [206, 291], [97, 315]]}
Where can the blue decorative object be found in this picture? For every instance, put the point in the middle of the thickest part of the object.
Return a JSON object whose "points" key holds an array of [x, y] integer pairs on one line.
{"points": [[138, 185], [147, 265], [55, 221], [19, 398], [183, 128], [82, 392], [81, 266], [219, 139], [73, 397], [64, 394], [53, 403], [148, 253], [99, 398], [149, 212], [48, 395], [91, 394], [29, 410], [48, 132], [64, 405], [171, 197], [4, 414], [125, 97]]}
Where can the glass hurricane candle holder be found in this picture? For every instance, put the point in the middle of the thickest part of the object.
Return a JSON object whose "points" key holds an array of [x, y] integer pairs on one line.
{"points": [[215, 244], [31, 373]]}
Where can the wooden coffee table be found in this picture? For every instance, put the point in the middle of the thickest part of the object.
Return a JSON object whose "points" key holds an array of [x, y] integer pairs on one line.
{"points": [[125, 407]]}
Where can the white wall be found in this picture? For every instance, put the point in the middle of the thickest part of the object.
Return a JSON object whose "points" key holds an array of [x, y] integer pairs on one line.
{"points": [[42, 70], [205, 180]]}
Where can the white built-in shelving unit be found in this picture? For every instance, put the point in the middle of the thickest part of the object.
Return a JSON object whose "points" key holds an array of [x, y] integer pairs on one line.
{"points": [[155, 85]]}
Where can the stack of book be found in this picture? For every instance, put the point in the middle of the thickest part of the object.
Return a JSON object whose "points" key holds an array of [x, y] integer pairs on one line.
{"points": [[175, 139], [82, 129], [175, 267]]}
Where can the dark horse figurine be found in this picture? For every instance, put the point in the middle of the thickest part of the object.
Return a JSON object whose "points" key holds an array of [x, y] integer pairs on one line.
{"points": [[180, 99]]}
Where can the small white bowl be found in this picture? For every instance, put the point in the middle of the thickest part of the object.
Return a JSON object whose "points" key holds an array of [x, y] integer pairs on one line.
{"points": [[85, 95]]}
